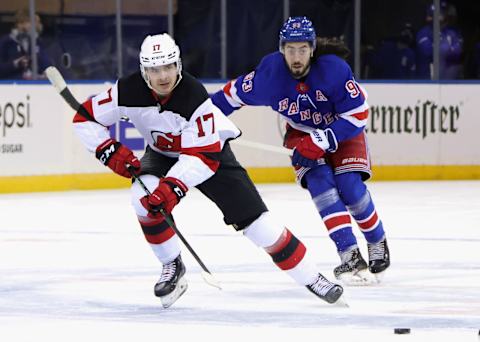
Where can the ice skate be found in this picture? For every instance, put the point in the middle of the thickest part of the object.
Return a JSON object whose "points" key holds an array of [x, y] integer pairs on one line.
{"points": [[326, 290], [172, 283], [378, 258], [353, 271]]}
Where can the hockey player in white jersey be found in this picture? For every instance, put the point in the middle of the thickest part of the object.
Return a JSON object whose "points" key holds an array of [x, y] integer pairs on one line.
{"points": [[187, 146]]}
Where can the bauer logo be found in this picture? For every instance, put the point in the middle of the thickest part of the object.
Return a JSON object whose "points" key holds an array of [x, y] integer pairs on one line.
{"points": [[14, 115]]}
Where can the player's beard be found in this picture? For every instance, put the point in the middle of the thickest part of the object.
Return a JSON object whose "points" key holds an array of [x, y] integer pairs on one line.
{"points": [[298, 71]]}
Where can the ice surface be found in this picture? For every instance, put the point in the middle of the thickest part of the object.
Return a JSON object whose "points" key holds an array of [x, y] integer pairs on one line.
{"points": [[74, 266]]}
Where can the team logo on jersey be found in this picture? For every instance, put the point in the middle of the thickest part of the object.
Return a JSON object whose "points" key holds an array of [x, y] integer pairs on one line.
{"points": [[305, 115], [293, 108], [166, 141], [283, 104], [317, 118], [319, 96]]}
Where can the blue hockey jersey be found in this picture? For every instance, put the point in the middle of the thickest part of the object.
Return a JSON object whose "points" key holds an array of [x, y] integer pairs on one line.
{"points": [[328, 97]]}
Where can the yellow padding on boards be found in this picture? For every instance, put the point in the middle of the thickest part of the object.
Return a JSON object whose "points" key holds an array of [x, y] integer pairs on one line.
{"points": [[90, 181], [425, 172], [380, 173], [87, 181]]}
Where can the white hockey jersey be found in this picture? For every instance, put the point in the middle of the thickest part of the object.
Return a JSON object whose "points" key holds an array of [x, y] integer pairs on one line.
{"points": [[185, 125]]}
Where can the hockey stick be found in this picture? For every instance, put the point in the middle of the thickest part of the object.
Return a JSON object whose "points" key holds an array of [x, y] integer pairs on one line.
{"points": [[262, 146], [57, 80]]}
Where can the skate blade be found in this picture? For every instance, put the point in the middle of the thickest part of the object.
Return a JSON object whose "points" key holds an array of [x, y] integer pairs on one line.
{"points": [[341, 302], [361, 278], [379, 277], [172, 297]]}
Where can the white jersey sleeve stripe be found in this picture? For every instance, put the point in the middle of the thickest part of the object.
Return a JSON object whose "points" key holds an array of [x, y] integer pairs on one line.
{"points": [[234, 95], [231, 102], [357, 116]]}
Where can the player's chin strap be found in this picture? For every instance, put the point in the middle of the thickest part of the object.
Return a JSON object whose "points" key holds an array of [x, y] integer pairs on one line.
{"points": [[206, 274]]}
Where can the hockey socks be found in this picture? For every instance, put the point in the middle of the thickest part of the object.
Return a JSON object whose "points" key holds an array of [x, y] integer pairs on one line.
{"points": [[161, 237], [363, 211], [287, 252], [334, 213], [356, 197]]}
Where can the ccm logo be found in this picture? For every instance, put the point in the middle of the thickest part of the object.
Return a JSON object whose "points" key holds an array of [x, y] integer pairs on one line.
{"points": [[107, 154]]}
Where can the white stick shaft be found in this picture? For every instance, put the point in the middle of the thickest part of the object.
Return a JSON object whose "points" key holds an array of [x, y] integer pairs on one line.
{"points": [[55, 78], [262, 146]]}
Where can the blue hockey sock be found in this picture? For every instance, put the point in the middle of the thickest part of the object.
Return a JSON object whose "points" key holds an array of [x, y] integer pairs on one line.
{"points": [[360, 205], [335, 215], [367, 219]]}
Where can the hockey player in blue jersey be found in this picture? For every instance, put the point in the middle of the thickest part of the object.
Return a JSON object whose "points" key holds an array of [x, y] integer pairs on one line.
{"points": [[326, 112]]}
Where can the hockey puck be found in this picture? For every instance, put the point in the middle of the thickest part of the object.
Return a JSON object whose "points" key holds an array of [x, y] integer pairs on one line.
{"points": [[401, 331]]}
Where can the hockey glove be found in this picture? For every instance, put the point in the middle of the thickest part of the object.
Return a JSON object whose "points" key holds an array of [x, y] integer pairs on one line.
{"points": [[166, 196], [117, 157], [313, 147]]}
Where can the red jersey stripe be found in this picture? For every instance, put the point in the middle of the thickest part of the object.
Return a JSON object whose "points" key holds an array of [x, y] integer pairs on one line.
{"points": [[88, 106], [361, 116], [227, 87], [199, 153]]}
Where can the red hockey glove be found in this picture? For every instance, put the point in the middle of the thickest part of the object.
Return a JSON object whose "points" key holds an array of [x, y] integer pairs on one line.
{"points": [[167, 195], [311, 148], [117, 157], [292, 137]]}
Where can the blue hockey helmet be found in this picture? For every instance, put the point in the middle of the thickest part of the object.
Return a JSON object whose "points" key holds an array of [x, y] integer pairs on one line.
{"points": [[297, 29]]}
